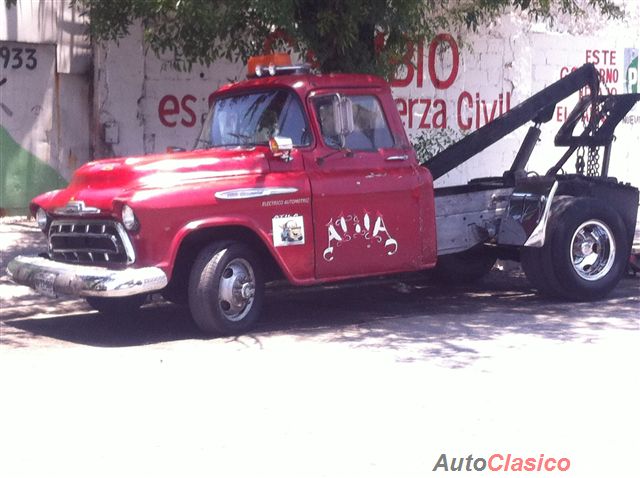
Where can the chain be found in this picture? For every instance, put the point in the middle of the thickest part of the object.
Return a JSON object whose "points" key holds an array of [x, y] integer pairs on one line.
{"points": [[593, 161], [580, 160], [593, 156]]}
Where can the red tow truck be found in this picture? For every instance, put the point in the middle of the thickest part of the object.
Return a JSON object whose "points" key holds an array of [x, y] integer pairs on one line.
{"points": [[312, 178]]}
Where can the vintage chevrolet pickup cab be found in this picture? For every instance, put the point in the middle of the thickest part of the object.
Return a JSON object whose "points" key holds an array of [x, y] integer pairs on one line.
{"points": [[311, 178]]}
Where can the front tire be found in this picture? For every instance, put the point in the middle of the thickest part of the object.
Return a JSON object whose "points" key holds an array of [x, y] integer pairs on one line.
{"points": [[226, 288], [585, 254]]}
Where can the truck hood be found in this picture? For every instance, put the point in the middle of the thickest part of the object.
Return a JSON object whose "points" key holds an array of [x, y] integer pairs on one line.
{"points": [[157, 170], [97, 183]]}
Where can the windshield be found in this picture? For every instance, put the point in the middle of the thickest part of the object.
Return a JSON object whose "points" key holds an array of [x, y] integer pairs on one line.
{"points": [[254, 118]]}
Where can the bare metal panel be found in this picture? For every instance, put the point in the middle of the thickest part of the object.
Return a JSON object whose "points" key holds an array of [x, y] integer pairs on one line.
{"points": [[469, 218]]}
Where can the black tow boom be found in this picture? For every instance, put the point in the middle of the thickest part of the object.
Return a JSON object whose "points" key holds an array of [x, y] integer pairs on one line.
{"points": [[609, 111]]}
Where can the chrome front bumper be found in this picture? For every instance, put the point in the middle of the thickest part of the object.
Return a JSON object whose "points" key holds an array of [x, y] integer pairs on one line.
{"points": [[57, 278]]}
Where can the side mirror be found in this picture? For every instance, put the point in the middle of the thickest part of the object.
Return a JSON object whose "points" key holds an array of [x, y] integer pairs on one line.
{"points": [[343, 115], [281, 147]]}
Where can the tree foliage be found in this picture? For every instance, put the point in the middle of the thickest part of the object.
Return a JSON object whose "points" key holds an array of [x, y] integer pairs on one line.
{"points": [[368, 36]]}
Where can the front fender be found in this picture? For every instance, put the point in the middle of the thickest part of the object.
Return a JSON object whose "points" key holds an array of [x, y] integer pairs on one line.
{"points": [[296, 263]]}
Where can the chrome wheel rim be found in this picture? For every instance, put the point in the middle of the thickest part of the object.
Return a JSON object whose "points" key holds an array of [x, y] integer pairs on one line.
{"points": [[237, 290], [593, 250]]}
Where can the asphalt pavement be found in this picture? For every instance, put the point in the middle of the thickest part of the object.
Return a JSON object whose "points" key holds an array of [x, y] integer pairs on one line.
{"points": [[375, 378]]}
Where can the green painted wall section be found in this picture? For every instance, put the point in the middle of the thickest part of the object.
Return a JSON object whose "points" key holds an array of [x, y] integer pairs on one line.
{"points": [[22, 176], [634, 66]]}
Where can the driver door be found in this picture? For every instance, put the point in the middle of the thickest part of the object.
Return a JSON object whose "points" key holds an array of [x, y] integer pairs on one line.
{"points": [[367, 190]]}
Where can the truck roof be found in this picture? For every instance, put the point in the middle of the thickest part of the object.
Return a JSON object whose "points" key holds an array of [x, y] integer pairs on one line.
{"points": [[304, 83]]}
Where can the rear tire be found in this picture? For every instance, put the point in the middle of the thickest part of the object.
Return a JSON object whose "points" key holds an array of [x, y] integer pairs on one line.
{"points": [[536, 264], [226, 288], [585, 253]]}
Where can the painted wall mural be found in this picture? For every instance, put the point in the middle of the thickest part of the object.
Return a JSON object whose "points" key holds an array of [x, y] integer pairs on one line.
{"points": [[22, 176], [27, 133], [448, 86]]}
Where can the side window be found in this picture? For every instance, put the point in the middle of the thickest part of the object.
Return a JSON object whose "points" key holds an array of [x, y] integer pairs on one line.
{"points": [[369, 122], [326, 116], [370, 130]]}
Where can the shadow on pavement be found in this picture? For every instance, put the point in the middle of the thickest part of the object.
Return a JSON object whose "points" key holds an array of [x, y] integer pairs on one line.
{"points": [[422, 320], [19, 238], [153, 324], [408, 314]]}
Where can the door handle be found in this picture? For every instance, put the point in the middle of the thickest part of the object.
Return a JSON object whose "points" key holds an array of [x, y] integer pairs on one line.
{"points": [[399, 157]]}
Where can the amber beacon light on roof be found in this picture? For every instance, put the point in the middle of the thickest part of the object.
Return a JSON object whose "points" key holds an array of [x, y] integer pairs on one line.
{"points": [[272, 65]]}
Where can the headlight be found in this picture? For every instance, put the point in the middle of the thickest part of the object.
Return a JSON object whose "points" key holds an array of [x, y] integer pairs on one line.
{"points": [[129, 218], [41, 218]]}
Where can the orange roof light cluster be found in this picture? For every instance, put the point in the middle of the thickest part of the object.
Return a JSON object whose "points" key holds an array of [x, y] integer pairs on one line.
{"points": [[266, 64], [273, 64]]}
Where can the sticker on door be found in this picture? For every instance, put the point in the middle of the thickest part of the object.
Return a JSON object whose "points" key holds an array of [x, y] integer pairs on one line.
{"points": [[288, 230]]}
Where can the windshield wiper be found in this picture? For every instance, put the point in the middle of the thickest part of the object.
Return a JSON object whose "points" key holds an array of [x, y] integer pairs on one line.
{"points": [[207, 143], [239, 146], [239, 135]]}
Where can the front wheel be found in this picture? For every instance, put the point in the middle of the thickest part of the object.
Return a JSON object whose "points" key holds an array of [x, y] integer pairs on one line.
{"points": [[226, 287], [585, 254]]}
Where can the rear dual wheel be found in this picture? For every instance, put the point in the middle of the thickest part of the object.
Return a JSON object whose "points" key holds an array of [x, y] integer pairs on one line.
{"points": [[585, 252]]}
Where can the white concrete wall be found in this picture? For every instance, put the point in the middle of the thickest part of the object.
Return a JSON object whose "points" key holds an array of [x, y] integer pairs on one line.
{"points": [[51, 22], [119, 89], [142, 105], [511, 60], [504, 63], [135, 103], [45, 105]]}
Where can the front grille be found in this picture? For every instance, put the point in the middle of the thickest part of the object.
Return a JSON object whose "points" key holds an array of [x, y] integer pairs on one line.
{"points": [[89, 242]]}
